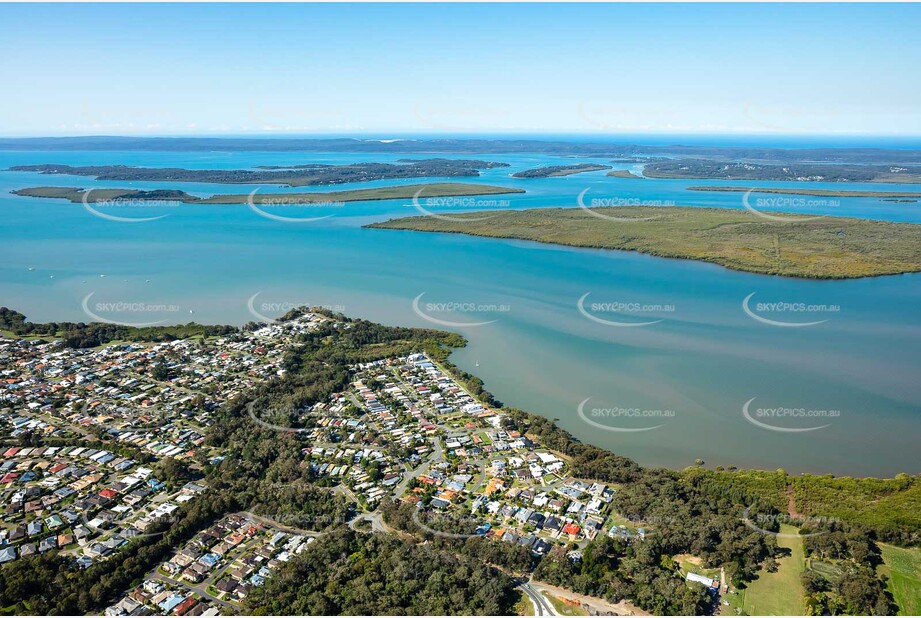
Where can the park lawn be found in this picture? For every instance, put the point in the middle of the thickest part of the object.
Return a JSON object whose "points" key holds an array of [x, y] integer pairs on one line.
{"points": [[563, 608], [779, 593], [903, 568]]}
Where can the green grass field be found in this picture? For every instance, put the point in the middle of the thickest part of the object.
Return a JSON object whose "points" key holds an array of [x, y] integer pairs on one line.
{"points": [[903, 568], [779, 593], [565, 609], [824, 248]]}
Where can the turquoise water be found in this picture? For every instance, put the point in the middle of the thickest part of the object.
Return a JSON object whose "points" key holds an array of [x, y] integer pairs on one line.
{"points": [[703, 361]]}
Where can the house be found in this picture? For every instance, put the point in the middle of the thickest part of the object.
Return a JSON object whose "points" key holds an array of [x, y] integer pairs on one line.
{"points": [[537, 519], [126, 607], [48, 544], [184, 607], [523, 515], [226, 585], [84, 562], [170, 603], [438, 503], [706, 581], [526, 541], [571, 529]]}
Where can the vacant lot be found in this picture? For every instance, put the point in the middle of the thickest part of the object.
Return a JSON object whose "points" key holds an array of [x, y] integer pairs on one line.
{"points": [[903, 567], [779, 593]]}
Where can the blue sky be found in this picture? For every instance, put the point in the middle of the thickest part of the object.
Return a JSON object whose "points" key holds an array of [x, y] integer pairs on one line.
{"points": [[238, 68]]}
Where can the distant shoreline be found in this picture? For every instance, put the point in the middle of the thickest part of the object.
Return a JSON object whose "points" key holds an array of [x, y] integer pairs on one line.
{"points": [[814, 192], [757, 147]]}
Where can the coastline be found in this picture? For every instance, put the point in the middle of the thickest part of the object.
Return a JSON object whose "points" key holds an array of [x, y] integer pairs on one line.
{"points": [[813, 192], [886, 504]]}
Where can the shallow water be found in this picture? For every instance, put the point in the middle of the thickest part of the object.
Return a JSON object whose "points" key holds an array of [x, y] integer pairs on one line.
{"points": [[702, 362]]}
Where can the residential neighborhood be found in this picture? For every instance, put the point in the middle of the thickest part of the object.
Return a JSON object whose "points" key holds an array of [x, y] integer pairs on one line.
{"points": [[402, 430], [212, 573], [407, 430], [137, 404]]}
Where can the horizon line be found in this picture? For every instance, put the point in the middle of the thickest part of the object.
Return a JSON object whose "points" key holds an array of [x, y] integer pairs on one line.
{"points": [[435, 132]]}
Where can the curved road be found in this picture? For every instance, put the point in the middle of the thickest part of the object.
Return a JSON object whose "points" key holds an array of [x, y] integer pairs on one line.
{"points": [[542, 607]]}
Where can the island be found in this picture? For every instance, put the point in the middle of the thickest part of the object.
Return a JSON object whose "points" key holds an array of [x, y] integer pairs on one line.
{"points": [[623, 174], [560, 170], [800, 172], [292, 176], [443, 189], [815, 192], [638, 159], [798, 246]]}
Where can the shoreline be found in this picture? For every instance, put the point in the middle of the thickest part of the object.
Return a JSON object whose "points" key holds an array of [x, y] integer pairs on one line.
{"points": [[811, 192], [464, 379]]}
